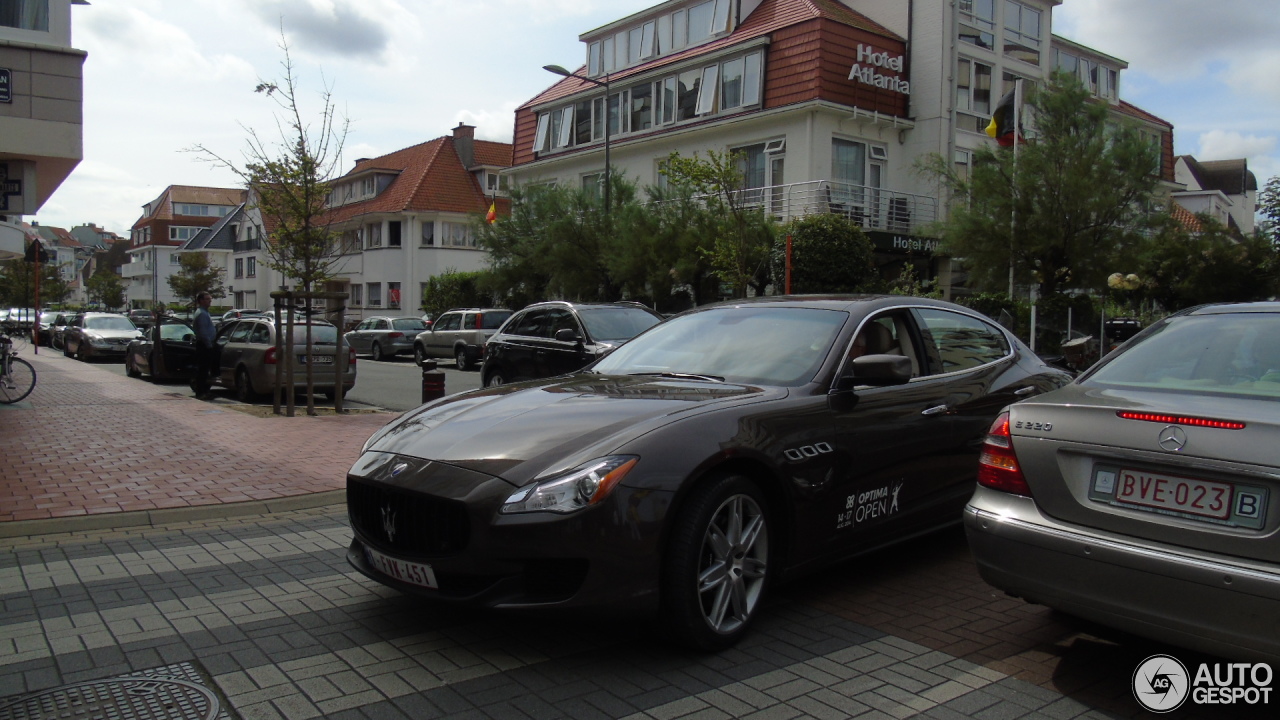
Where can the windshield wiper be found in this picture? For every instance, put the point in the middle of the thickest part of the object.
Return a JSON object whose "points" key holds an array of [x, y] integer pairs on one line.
{"points": [[682, 376]]}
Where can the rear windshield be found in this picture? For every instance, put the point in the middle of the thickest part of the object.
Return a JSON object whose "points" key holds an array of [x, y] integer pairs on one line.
{"points": [[616, 323], [408, 324], [1224, 354], [493, 319], [108, 323], [320, 334]]}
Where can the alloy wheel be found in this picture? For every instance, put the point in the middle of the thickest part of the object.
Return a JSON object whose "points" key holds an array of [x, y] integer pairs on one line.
{"points": [[732, 563]]}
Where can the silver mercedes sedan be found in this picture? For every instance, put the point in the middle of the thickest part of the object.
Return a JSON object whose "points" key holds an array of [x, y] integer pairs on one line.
{"points": [[1145, 495]]}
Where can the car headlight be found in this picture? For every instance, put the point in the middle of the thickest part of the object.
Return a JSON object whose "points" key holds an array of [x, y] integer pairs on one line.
{"points": [[585, 485], [96, 341]]}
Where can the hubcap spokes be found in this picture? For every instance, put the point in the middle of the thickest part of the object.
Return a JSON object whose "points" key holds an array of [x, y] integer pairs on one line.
{"points": [[735, 552]]}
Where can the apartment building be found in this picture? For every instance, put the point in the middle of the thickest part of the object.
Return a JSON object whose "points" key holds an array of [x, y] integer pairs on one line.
{"points": [[166, 225]]}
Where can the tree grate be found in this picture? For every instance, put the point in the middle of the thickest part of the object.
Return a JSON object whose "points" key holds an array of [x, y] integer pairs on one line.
{"points": [[173, 692]]}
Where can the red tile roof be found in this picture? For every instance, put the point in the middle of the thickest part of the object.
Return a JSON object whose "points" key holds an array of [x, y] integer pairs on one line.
{"points": [[1137, 112], [162, 207], [1186, 218], [429, 177], [772, 15]]}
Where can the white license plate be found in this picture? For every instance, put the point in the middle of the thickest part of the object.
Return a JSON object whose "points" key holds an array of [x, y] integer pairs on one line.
{"points": [[1180, 494], [317, 359], [404, 571]]}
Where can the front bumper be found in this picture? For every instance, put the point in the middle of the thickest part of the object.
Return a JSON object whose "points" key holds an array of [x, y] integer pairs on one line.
{"points": [[1214, 604], [446, 517]]}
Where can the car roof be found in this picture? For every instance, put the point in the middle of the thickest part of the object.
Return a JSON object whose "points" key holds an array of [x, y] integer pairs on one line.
{"points": [[1266, 306]]}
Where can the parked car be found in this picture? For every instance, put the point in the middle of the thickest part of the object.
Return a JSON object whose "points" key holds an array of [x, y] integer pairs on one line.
{"points": [[555, 338], [247, 356], [1144, 496], [459, 334], [59, 329], [726, 449], [142, 319], [236, 314], [94, 335], [383, 337], [167, 351], [427, 319], [18, 320], [47, 320]]}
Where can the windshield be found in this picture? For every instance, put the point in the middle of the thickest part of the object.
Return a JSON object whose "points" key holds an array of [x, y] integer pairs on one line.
{"points": [[408, 324], [108, 323], [1234, 354], [752, 345], [616, 323]]}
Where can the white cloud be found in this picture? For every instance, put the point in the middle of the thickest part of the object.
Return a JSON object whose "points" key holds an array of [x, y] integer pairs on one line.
{"points": [[1224, 145]]}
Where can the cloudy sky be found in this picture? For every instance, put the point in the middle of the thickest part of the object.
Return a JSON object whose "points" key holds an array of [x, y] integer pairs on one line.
{"points": [[164, 75]]}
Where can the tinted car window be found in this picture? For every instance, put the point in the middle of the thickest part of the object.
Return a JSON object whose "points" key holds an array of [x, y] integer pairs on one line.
{"points": [[962, 342], [469, 321], [534, 323], [559, 319], [725, 343], [450, 321], [320, 334], [109, 323], [616, 323], [493, 320], [261, 335], [241, 333], [408, 325], [1237, 354], [380, 325]]}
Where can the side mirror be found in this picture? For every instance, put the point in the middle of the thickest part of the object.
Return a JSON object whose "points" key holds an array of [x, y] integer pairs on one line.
{"points": [[568, 335], [880, 370]]}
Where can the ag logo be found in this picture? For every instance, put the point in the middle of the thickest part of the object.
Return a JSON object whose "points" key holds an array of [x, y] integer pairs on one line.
{"points": [[1161, 683]]}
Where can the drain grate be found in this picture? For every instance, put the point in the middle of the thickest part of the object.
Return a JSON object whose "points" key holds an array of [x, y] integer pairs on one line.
{"points": [[174, 692]]}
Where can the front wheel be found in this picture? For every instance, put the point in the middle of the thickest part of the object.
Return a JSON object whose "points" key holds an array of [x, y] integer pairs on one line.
{"points": [[18, 382], [495, 379], [717, 565], [131, 367]]}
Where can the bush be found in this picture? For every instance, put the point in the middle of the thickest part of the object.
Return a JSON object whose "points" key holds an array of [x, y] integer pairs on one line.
{"points": [[829, 254]]}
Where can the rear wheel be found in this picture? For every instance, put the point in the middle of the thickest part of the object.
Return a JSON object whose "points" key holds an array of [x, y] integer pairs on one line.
{"points": [[717, 565], [131, 367], [376, 352], [460, 359], [419, 354], [244, 387], [19, 382]]}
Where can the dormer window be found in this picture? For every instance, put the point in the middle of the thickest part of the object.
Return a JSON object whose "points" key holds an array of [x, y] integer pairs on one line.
{"points": [[665, 34]]}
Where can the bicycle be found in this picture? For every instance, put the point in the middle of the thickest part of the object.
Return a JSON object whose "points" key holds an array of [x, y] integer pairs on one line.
{"points": [[17, 377]]}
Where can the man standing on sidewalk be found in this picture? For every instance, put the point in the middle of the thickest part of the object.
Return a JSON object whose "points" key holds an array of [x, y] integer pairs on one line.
{"points": [[205, 355]]}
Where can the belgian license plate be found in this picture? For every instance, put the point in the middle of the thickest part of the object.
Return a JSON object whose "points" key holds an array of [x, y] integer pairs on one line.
{"points": [[317, 359], [1226, 503], [410, 572]]}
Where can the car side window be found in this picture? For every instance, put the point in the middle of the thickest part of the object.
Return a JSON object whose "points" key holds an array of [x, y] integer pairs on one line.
{"points": [[531, 324], [560, 319], [887, 334], [469, 321], [450, 321], [962, 342], [364, 325], [260, 335], [381, 325], [241, 333]]}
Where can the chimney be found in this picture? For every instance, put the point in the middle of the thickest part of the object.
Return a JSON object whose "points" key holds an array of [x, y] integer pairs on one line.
{"points": [[464, 143]]}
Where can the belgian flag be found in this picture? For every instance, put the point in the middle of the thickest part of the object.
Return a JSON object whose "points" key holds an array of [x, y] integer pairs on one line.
{"points": [[1002, 120]]}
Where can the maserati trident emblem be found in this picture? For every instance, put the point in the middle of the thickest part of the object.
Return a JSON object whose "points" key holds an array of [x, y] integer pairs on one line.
{"points": [[389, 522], [1173, 438]]}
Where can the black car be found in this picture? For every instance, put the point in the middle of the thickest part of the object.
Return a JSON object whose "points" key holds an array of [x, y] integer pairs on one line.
{"points": [[167, 352], [554, 338], [723, 450]]}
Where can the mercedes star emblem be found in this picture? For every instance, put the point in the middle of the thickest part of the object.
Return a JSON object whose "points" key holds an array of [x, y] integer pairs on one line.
{"points": [[1173, 438]]}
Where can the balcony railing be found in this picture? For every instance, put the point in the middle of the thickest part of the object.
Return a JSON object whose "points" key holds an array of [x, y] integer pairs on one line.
{"points": [[871, 208], [247, 245]]}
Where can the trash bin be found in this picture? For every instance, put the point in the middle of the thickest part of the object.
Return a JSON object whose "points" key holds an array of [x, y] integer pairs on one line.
{"points": [[432, 381]]}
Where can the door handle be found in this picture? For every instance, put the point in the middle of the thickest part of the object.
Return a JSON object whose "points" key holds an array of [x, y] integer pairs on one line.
{"points": [[936, 410], [1022, 392]]}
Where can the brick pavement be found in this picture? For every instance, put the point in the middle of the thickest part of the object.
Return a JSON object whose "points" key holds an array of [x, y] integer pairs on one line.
{"points": [[87, 449]]}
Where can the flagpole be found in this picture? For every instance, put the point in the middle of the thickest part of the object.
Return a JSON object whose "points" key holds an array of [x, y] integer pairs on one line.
{"points": [[1013, 213]]}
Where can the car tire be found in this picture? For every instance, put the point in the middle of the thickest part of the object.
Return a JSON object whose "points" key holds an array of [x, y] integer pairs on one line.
{"points": [[66, 350], [460, 359], [376, 352], [244, 387], [419, 354], [494, 379], [717, 566], [81, 355], [131, 368]]}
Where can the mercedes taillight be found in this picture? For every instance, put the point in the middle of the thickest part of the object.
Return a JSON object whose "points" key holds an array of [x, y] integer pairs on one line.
{"points": [[998, 467]]}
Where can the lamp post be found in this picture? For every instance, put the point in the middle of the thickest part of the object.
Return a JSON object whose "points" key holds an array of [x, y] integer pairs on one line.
{"points": [[607, 178]]}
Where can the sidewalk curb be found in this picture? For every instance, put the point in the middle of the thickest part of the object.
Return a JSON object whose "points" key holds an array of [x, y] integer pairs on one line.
{"points": [[155, 518]]}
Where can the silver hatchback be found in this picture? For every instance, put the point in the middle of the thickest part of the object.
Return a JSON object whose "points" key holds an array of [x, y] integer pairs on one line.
{"points": [[247, 357], [1146, 495], [383, 337]]}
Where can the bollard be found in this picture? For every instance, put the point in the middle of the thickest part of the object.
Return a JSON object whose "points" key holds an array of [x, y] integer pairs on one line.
{"points": [[432, 381]]}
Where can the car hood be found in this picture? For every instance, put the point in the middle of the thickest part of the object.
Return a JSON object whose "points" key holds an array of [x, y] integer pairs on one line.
{"points": [[113, 334], [519, 431]]}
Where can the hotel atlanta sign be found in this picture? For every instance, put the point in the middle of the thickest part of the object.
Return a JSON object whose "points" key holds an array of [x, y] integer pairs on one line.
{"points": [[871, 62]]}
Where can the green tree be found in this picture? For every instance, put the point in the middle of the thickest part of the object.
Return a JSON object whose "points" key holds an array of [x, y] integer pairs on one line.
{"points": [[289, 182], [829, 254], [741, 233], [1071, 208], [452, 289], [17, 284], [105, 287], [196, 275], [1269, 208], [1182, 268]]}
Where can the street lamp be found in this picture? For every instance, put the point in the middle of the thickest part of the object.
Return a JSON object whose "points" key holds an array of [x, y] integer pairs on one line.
{"points": [[607, 179]]}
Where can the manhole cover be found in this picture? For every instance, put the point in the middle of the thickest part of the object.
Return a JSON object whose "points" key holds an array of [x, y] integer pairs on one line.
{"points": [[171, 693]]}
